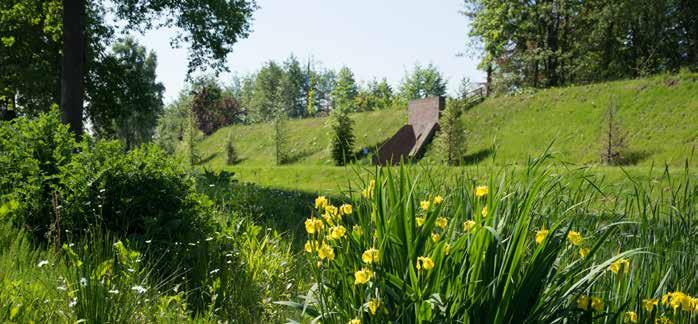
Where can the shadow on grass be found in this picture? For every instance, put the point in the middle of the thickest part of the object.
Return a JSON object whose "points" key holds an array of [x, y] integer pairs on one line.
{"points": [[476, 157], [208, 159], [634, 157], [294, 157], [279, 209]]}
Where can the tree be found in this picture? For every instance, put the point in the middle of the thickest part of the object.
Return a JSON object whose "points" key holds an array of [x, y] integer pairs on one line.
{"points": [[557, 42], [293, 84], [125, 100], [345, 90], [231, 156], [463, 88], [342, 136], [268, 93], [31, 30], [614, 138], [214, 107], [280, 138], [382, 94], [423, 82], [451, 137], [172, 124], [191, 139], [210, 26]]}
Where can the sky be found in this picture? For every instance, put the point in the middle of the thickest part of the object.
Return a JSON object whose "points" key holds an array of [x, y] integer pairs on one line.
{"points": [[375, 38]]}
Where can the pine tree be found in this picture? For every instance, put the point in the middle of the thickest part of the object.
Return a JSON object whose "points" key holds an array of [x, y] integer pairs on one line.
{"points": [[342, 144], [231, 156], [280, 138], [451, 138], [191, 139]]}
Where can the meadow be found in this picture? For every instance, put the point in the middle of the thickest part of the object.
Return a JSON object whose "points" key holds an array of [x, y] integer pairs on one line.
{"points": [[94, 233]]}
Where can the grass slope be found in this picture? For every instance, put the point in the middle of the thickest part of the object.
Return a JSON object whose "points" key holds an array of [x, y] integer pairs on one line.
{"points": [[660, 115], [307, 138]]}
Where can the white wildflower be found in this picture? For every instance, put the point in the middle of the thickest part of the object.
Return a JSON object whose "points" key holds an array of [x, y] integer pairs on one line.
{"points": [[139, 289], [42, 263]]}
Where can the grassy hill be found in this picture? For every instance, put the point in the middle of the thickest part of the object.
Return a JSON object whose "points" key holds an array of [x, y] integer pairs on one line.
{"points": [[308, 139], [660, 115]]}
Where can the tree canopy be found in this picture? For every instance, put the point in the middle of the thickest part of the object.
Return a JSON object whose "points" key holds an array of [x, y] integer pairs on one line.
{"points": [[556, 42]]}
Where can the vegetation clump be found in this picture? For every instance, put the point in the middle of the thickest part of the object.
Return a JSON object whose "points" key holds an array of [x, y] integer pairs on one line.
{"points": [[342, 135]]}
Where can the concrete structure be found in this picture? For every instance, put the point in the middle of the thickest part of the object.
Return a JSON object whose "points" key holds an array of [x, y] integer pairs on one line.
{"points": [[409, 142]]}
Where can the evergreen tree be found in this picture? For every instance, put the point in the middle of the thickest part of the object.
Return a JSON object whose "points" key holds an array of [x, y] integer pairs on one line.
{"points": [[280, 138], [382, 94], [345, 91], [293, 85], [450, 141], [423, 82], [191, 139], [268, 92], [342, 135], [231, 156]]}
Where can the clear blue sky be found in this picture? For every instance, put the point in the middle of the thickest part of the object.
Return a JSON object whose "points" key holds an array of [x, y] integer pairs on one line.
{"points": [[375, 38]]}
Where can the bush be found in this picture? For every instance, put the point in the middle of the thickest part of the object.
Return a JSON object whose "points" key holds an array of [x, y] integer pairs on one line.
{"points": [[32, 154], [342, 135], [450, 141], [141, 194]]}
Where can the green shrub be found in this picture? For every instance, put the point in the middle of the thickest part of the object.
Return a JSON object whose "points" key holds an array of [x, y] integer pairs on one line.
{"points": [[142, 194], [32, 153], [342, 135]]}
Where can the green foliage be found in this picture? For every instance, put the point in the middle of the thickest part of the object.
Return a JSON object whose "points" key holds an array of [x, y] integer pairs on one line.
{"points": [[551, 43], [280, 139], [342, 135], [450, 140], [124, 98], [344, 91], [33, 155], [210, 27], [191, 139], [486, 258], [30, 30], [293, 87], [422, 82], [172, 124], [231, 157], [268, 93]]}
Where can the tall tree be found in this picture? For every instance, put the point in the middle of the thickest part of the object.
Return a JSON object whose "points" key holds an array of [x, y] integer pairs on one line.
{"points": [[451, 137], [382, 93], [423, 82], [268, 94], [293, 85], [345, 90], [555, 42], [125, 99], [211, 27], [31, 31]]}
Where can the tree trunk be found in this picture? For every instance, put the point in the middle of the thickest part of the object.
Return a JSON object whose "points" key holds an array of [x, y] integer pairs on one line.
{"points": [[73, 68]]}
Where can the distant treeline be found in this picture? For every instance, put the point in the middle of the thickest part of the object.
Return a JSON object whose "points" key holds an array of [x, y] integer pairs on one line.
{"points": [[558, 42]]}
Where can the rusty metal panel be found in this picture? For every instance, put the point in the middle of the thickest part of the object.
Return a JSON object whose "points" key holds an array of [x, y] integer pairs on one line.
{"points": [[410, 140]]}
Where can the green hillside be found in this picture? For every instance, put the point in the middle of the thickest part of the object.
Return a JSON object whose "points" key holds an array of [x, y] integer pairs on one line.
{"points": [[660, 115], [308, 139]]}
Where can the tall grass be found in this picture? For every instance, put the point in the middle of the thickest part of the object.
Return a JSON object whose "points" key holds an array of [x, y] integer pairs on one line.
{"points": [[531, 246]]}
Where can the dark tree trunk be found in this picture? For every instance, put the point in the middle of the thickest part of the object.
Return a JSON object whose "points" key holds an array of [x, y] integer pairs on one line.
{"points": [[488, 85], [73, 69]]}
